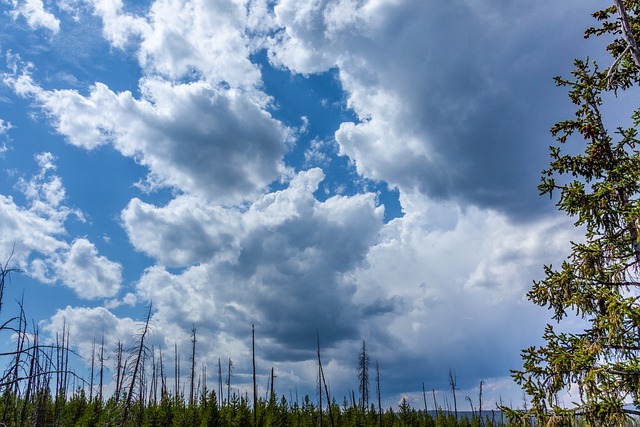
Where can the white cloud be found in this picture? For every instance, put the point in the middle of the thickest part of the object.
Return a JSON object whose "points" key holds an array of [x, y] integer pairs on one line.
{"points": [[183, 232], [191, 39], [88, 325], [4, 126], [207, 37], [183, 299], [36, 234], [119, 28], [457, 278], [215, 143], [35, 14], [90, 275], [38, 226]]}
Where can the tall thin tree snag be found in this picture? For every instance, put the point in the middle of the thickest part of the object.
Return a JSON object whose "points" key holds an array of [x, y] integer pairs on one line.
{"points": [[136, 368], [119, 369], [253, 364], [163, 377], [323, 382], [480, 404], [176, 373], [93, 358], [101, 368], [229, 366], [435, 402], [221, 396], [379, 393], [193, 364], [424, 397], [453, 383], [272, 389]]}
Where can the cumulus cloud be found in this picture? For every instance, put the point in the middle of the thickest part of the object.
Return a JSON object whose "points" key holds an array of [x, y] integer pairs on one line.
{"points": [[215, 143], [288, 274], [183, 232], [88, 325], [191, 39], [34, 13], [36, 236], [454, 97], [90, 275], [459, 284], [38, 226]]}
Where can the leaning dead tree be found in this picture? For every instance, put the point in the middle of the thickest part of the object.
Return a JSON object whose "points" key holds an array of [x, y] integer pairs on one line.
{"points": [[138, 361]]}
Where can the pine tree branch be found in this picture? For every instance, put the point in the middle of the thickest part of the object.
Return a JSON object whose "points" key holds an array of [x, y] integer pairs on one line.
{"points": [[624, 373]]}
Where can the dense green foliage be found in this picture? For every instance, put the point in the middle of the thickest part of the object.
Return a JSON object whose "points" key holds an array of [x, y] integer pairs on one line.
{"points": [[167, 411], [600, 187]]}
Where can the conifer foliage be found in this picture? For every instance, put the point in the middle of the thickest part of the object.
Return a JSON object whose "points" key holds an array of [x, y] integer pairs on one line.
{"points": [[600, 280]]}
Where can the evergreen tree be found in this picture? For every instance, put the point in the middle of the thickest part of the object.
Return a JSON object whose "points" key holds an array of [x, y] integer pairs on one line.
{"points": [[600, 280]]}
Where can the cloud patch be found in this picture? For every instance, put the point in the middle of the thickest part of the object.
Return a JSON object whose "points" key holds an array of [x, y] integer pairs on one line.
{"points": [[288, 272], [35, 235], [90, 275], [215, 143], [34, 13]]}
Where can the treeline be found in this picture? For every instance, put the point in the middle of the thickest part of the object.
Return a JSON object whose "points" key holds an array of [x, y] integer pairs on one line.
{"points": [[40, 388], [43, 410]]}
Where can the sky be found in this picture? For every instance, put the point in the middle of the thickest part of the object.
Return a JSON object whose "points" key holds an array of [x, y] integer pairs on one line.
{"points": [[355, 169]]}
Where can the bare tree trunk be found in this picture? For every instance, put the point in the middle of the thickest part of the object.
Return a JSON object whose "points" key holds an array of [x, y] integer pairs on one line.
{"points": [[229, 380], [480, 404], [272, 390], [220, 395], [101, 368], [378, 393], [176, 373], [253, 363], [193, 364], [93, 358], [21, 336], [452, 383], [136, 367], [27, 397], [66, 360], [153, 392], [424, 397], [119, 371], [163, 379], [319, 383]]}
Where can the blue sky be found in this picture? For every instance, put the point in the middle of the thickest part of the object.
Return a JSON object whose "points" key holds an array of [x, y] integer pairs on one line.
{"points": [[363, 168]]}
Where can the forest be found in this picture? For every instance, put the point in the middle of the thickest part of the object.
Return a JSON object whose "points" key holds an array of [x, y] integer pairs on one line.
{"points": [[39, 388]]}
